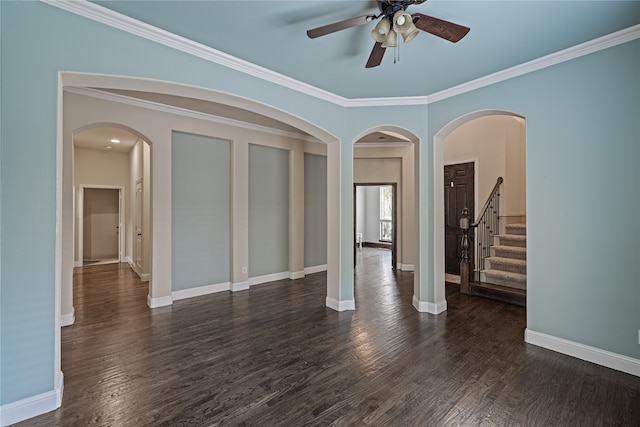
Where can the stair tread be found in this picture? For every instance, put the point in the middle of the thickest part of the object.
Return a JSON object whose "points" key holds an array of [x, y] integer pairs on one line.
{"points": [[510, 248], [506, 275], [508, 260]]}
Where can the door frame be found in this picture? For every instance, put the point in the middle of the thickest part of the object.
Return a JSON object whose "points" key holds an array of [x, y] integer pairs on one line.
{"points": [[394, 221], [121, 223]]}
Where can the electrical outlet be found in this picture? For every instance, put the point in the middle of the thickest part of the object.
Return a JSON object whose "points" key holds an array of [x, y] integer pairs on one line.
{"points": [[244, 271]]}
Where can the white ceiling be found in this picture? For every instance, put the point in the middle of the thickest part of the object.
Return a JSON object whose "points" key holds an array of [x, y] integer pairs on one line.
{"points": [[100, 138]]}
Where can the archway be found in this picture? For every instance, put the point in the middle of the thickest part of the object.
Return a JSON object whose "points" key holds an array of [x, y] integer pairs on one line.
{"points": [[160, 285], [389, 154], [438, 179]]}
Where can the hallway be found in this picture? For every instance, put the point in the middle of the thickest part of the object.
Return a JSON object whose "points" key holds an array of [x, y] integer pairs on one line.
{"points": [[275, 355]]}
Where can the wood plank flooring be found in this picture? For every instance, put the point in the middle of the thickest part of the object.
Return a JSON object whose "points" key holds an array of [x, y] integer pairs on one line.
{"points": [[276, 356]]}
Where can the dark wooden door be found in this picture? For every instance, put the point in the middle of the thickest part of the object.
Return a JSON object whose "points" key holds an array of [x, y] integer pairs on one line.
{"points": [[458, 194]]}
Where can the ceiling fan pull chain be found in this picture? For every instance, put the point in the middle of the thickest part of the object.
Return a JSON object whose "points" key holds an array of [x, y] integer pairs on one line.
{"points": [[396, 51]]}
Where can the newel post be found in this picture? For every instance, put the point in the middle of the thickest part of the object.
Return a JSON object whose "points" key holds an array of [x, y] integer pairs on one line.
{"points": [[464, 264]]}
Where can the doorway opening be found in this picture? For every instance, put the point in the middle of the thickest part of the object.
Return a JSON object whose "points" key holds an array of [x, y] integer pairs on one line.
{"points": [[375, 219], [100, 225]]}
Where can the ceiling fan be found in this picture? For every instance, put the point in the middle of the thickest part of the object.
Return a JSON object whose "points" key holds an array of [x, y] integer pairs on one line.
{"points": [[395, 21]]}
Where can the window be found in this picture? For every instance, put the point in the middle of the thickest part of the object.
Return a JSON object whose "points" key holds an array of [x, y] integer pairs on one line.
{"points": [[386, 213]]}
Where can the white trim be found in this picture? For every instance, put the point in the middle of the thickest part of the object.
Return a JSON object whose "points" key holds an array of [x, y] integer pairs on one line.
{"points": [[429, 307], [170, 109], [343, 305], [78, 263], [268, 278], [315, 269], [68, 319], [582, 49], [240, 286], [200, 290], [125, 23], [33, 406], [144, 277], [133, 26], [296, 275], [159, 302], [584, 352], [406, 267]]}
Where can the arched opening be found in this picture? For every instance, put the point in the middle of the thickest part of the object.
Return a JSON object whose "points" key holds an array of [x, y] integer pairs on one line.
{"points": [[160, 288], [386, 156], [95, 163], [490, 126]]}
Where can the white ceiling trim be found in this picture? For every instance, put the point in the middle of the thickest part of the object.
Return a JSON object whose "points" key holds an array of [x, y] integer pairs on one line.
{"points": [[122, 22], [108, 17], [574, 52], [170, 109]]}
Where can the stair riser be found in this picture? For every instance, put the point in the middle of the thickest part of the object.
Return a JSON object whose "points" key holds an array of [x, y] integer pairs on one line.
{"points": [[517, 230], [506, 253], [490, 278], [505, 240], [506, 266]]}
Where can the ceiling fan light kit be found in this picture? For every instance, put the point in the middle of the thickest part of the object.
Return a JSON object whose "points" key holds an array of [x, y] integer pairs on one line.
{"points": [[395, 21]]}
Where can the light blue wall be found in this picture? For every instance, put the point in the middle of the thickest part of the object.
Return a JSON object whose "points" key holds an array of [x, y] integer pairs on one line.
{"points": [[583, 197], [315, 210], [268, 210], [200, 207], [37, 42]]}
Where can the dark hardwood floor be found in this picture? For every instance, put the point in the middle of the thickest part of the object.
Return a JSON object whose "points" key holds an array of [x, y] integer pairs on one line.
{"points": [[276, 356]]}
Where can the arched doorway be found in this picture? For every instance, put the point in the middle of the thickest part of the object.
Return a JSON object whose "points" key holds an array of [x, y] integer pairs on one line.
{"points": [[440, 139], [389, 154], [160, 179]]}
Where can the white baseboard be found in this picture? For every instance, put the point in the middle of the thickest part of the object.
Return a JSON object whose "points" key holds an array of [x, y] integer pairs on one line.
{"points": [[144, 277], [406, 267], [315, 269], [429, 307], [68, 319], [296, 275], [341, 305], [159, 302], [33, 406], [128, 260], [584, 352], [200, 290], [77, 263], [268, 278], [240, 286]]}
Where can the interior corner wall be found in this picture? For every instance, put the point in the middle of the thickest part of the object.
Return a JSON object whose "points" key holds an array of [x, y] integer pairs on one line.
{"points": [[315, 210]]}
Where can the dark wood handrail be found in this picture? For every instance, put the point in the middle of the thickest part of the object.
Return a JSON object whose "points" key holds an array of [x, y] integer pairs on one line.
{"points": [[488, 202]]}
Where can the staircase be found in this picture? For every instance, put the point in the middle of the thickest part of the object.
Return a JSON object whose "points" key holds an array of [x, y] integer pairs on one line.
{"points": [[505, 271]]}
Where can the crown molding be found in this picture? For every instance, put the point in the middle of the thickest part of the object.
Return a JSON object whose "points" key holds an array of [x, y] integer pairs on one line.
{"points": [[595, 45], [125, 23], [122, 22], [170, 109]]}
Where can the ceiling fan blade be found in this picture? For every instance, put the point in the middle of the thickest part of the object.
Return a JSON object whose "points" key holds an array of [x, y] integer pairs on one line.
{"points": [[376, 55], [439, 27], [338, 26]]}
